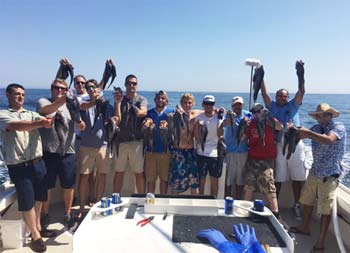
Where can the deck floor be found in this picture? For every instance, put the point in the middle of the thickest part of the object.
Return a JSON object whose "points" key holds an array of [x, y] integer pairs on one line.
{"points": [[63, 242]]}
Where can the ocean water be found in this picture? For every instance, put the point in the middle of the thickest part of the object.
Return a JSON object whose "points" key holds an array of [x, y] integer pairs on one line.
{"points": [[338, 101]]}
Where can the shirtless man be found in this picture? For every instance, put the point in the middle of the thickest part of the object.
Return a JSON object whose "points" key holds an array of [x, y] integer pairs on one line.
{"points": [[184, 170]]}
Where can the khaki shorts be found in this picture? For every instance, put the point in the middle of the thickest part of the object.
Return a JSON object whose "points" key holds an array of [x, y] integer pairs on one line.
{"points": [[315, 189], [157, 164], [259, 176], [130, 155], [90, 158], [235, 164]]}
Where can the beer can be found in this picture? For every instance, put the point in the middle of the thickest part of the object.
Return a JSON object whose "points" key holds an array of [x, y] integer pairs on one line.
{"points": [[106, 202], [229, 205], [259, 205], [116, 198]]}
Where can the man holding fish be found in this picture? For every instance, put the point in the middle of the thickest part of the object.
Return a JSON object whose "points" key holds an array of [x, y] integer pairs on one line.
{"points": [[59, 144], [287, 111]]}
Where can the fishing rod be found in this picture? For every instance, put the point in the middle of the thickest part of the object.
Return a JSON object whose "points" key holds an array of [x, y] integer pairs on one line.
{"points": [[253, 63]]}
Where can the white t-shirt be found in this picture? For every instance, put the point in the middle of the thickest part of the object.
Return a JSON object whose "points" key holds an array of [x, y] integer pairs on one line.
{"points": [[211, 143]]}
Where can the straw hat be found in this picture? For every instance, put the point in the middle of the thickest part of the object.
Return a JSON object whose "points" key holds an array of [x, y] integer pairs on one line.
{"points": [[324, 108]]}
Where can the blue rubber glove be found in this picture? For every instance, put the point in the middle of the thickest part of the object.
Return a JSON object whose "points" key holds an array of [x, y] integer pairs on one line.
{"points": [[219, 241], [248, 238]]}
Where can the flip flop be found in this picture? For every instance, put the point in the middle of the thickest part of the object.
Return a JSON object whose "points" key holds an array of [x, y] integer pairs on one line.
{"points": [[296, 230]]}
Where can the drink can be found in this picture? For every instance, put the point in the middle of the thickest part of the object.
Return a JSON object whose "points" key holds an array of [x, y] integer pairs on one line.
{"points": [[116, 198], [229, 205], [259, 205], [105, 202]]}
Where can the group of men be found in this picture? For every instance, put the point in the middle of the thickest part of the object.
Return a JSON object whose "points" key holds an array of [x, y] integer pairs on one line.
{"points": [[36, 156]]}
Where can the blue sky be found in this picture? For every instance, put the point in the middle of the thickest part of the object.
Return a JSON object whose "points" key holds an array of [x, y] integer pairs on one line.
{"points": [[178, 45]]}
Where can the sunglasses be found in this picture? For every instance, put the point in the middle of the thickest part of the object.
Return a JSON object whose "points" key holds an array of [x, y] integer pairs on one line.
{"points": [[60, 88], [209, 103], [80, 83], [91, 87], [131, 83]]}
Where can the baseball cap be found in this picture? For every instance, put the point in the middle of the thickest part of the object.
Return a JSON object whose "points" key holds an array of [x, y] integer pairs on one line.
{"points": [[237, 100], [256, 107], [209, 99]]}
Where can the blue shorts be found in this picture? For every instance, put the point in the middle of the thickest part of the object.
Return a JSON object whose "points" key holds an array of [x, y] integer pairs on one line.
{"points": [[211, 164], [62, 166], [30, 183]]}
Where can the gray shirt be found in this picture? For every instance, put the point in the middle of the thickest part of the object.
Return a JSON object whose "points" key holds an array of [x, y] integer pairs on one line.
{"points": [[49, 136], [19, 146]]}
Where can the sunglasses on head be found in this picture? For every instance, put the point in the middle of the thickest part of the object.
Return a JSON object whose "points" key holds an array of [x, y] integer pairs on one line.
{"points": [[60, 88]]}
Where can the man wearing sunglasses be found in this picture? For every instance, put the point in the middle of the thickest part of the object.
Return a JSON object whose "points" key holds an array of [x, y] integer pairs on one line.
{"points": [[131, 110], [287, 111], [59, 158], [207, 158]]}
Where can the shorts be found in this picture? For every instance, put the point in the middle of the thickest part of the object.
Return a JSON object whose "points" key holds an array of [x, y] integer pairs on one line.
{"points": [[259, 176], [157, 164], [91, 158], [294, 168], [211, 164], [30, 183], [184, 170], [130, 154], [315, 189], [235, 164], [62, 166]]}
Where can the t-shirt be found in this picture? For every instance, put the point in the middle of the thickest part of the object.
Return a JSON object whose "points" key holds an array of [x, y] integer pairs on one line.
{"points": [[94, 135], [327, 158], [19, 146], [211, 143], [157, 117], [231, 140], [130, 130], [49, 136], [256, 148]]}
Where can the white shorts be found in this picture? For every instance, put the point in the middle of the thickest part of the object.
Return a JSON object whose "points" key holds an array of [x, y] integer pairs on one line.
{"points": [[130, 155], [294, 168], [235, 164]]}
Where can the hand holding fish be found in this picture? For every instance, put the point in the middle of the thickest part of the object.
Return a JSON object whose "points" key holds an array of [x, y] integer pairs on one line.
{"points": [[118, 94], [81, 126], [303, 132], [65, 69], [47, 122], [257, 80], [299, 66]]}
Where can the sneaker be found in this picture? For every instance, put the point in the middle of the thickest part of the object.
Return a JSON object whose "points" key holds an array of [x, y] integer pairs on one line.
{"points": [[44, 220], [48, 233], [69, 220], [37, 245], [297, 211]]}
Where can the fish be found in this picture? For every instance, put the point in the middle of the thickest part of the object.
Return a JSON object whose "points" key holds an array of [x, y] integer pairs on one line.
{"points": [[222, 148], [241, 131], [61, 128], [178, 126], [221, 113], [116, 139], [299, 66], [291, 140], [261, 126], [232, 116], [66, 69], [111, 129], [73, 106], [164, 134], [170, 120], [101, 109], [149, 131], [257, 80], [109, 71], [203, 133]]}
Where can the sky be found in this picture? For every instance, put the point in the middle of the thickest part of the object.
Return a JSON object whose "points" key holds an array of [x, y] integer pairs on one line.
{"points": [[178, 45]]}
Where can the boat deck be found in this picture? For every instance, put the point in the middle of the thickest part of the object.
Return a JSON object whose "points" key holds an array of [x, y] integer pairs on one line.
{"points": [[63, 242]]}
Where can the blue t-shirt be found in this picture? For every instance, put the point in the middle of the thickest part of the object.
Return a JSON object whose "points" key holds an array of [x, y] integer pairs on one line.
{"points": [[157, 117], [231, 140], [285, 113], [327, 157]]}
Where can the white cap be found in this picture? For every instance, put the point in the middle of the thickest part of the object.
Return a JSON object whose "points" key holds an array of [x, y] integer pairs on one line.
{"points": [[237, 100], [209, 99]]}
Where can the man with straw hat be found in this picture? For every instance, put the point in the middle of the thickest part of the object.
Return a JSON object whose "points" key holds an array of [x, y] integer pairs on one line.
{"points": [[328, 147]]}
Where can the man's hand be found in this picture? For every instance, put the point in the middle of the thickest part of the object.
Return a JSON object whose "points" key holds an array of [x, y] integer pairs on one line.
{"points": [[81, 126], [47, 122], [303, 132]]}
